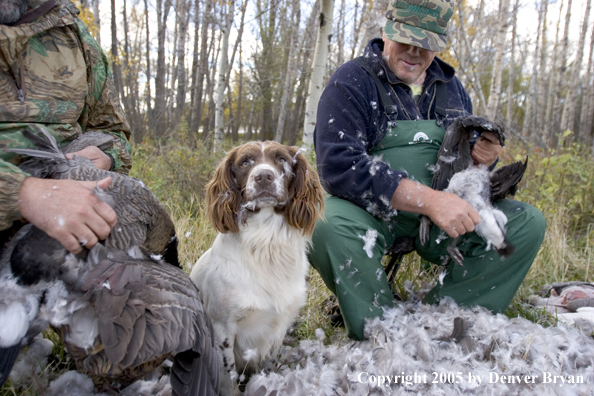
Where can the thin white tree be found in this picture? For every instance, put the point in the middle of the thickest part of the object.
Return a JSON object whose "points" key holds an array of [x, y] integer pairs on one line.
{"points": [[226, 23], [316, 83], [495, 94]]}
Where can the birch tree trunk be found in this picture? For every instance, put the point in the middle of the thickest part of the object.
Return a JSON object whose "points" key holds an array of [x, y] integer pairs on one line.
{"points": [[202, 68], [358, 26], [555, 122], [129, 95], [163, 7], [548, 130], [308, 39], [194, 73], [248, 133], [316, 83], [237, 122], [340, 35], [288, 84], [495, 94], [469, 71], [237, 41], [588, 99], [183, 16], [527, 126], [97, 20], [477, 22], [233, 124], [568, 120], [375, 21], [512, 69], [148, 96], [543, 77], [222, 77], [171, 80], [264, 64], [209, 75], [115, 62]]}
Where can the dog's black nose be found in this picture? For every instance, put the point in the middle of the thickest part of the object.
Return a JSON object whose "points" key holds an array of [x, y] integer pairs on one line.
{"points": [[264, 178]]}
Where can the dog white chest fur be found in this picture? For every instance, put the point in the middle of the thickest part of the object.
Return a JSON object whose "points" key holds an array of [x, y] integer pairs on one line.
{"points": [[253, 285]]}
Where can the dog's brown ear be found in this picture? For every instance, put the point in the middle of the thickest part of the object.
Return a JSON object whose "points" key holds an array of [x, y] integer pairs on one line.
{"points": [[306, 203], [223, 196]]}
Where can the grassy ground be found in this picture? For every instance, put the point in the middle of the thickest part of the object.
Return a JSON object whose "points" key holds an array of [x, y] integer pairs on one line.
{"points": [[559, 183]]}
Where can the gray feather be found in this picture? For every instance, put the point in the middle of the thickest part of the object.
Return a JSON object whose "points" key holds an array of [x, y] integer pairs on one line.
{"points": [[101, 140]]}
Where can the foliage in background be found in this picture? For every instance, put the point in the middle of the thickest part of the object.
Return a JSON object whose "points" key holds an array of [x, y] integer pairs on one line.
{"points": [[559, 183], [86, 15], [178, 175], [172, 170]]}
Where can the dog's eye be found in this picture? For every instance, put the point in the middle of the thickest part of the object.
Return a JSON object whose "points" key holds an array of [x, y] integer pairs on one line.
{"points": [[245, 163], [281, 160]]}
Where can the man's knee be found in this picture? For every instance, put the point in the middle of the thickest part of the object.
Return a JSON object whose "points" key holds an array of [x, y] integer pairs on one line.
{"points": [[532, 226], [537, 223]]}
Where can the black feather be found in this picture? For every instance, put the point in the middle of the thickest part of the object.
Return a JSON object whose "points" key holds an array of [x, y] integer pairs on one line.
{"points": [[36, 256], [504, 181], [455, 152], [7, 358], [196, 371], [170, 256], [507, 250]]}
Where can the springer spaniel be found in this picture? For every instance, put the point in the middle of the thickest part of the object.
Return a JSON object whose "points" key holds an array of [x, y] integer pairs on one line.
{"points": [[264, 200]]}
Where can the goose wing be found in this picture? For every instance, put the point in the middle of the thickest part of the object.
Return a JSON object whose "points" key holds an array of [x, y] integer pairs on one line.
{"points": [[145, 312]]}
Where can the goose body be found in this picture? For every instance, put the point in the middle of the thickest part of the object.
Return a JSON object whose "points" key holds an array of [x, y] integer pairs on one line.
{"points": [[456, 172]]}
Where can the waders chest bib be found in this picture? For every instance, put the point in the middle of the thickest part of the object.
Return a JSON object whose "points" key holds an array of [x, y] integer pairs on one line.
{"points": [[412, 146]]}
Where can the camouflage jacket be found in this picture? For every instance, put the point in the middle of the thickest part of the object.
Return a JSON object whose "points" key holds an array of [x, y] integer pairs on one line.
{"points": [[53, 72]]}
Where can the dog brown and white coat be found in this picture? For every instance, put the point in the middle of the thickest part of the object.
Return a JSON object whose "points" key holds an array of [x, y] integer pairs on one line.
{"points": [[264, 200]]}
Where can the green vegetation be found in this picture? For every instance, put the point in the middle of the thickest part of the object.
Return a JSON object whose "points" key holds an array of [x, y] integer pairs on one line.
{"points": [[558, 182]]}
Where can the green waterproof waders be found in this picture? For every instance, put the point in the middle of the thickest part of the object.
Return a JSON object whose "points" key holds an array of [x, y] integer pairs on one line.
{"points": [[349, 244]]}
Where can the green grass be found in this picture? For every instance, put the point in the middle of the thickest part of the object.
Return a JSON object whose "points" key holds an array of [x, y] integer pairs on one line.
{"points": [[559, 183]]}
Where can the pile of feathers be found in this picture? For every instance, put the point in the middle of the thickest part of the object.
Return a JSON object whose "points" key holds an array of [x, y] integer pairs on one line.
{"points": [[448, 347], [435, 342]]}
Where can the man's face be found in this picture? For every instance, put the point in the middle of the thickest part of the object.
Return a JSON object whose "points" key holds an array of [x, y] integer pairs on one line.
{"points": [[12, 10], [407, 61]]}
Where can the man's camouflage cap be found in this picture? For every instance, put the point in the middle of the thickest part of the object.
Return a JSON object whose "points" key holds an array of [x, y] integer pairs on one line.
{"points": [[422, 23]]}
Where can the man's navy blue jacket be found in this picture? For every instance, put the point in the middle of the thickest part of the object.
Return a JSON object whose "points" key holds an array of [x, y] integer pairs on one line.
{"points": [[351, 121]]}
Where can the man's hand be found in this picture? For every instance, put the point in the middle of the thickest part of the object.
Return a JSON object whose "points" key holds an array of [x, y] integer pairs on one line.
{"points": [[98, 157], [450, 212], [67, 210], [486, 149]]}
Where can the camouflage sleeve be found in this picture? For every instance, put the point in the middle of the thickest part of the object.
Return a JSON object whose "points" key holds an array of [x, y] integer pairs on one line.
{"points": [[103, 111], [11, 179]]}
